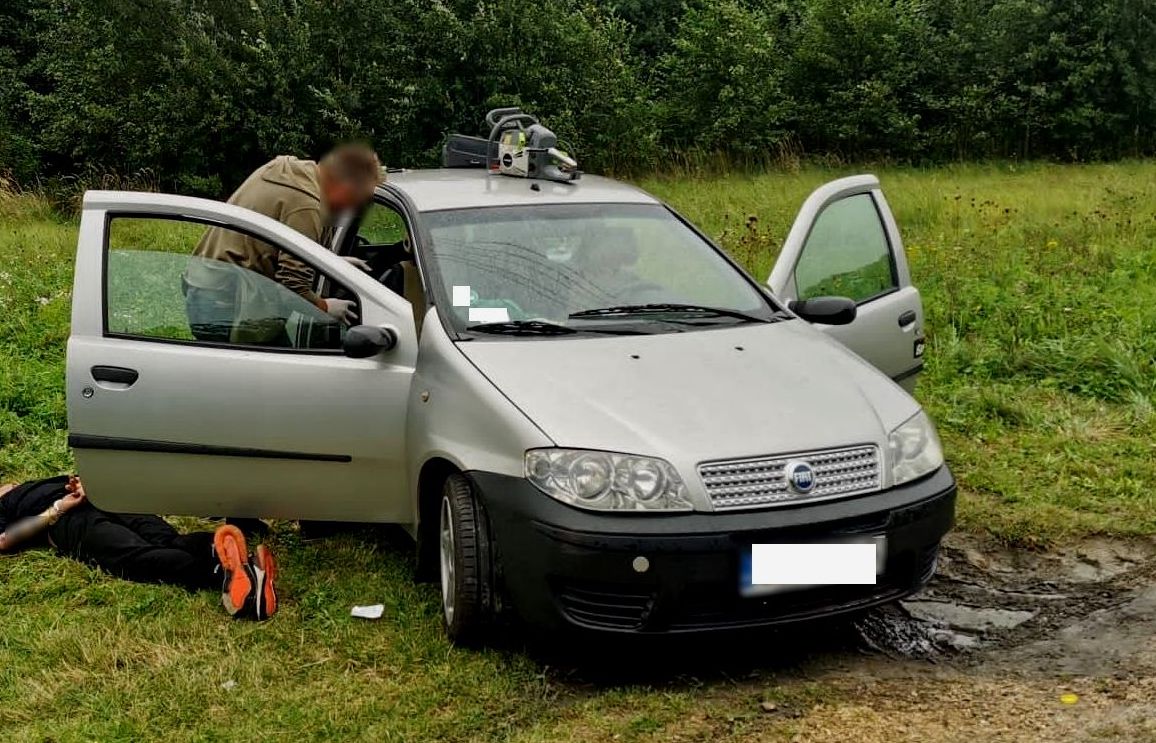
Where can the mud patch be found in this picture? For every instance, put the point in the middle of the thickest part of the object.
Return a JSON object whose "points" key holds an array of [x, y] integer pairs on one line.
{"points": [[1087, 608], [1093, 560], [970, 618], [893, 631]]}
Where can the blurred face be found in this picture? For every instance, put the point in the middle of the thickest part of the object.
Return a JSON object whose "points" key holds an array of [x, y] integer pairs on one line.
{"points": [[342, 196]]}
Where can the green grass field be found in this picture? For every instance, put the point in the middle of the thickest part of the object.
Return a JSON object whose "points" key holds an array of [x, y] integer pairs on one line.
{"points": [[1040, 289]]}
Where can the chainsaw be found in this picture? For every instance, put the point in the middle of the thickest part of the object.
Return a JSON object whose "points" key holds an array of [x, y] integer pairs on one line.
{"points": [[518, 146]]}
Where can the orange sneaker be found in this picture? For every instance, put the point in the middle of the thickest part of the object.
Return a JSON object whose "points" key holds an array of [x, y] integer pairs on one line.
{"points": [[237, 590], [266, 571]]}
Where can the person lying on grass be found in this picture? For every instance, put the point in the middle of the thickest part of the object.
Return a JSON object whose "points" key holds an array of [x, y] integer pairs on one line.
{"points": [[145, 549]]}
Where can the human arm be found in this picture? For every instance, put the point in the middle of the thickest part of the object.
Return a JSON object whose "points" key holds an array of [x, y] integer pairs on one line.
{"points": [[23, 530], [293, 273], [297, 276]]}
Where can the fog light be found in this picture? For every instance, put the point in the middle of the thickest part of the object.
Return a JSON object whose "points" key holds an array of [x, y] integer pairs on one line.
{"points": [[640, 564]]}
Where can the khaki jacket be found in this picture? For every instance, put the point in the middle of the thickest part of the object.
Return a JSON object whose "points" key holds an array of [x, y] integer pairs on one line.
{"points": [[288, 190]]}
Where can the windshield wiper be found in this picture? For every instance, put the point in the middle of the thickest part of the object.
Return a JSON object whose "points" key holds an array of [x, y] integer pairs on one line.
{"points": [[658, 308], [522, 327]]}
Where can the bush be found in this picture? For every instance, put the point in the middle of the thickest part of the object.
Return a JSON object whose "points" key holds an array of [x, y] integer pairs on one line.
{"points": [[722, 82], [198, 92], [857, 69]]}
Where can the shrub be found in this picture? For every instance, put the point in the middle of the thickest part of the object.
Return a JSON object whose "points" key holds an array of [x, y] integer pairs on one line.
{"points": [[198, 92]]}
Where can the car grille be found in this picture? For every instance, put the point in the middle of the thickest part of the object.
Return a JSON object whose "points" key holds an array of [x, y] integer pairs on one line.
{"points": [[759, 482]]}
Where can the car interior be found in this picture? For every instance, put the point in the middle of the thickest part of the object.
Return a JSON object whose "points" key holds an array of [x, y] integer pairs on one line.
{"points": [[379, 236]]}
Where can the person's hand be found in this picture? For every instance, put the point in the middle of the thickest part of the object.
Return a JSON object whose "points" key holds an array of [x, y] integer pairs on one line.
{"points": [[341, 309], [3, 542], [357, 263], [76, 494]]}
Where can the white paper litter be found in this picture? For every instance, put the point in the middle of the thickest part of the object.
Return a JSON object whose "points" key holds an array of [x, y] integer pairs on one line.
{"points": [[368, 612]]}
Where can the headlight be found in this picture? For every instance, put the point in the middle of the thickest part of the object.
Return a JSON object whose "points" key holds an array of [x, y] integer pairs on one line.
{"points": [[603, 481], [914, 449]]}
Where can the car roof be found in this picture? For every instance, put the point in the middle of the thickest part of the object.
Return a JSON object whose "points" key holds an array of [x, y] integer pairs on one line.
{"points": [[471, 188]]}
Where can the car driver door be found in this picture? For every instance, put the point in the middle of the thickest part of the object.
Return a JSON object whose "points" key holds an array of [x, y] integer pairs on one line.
{"points": [[845, 243], [260, 409]]}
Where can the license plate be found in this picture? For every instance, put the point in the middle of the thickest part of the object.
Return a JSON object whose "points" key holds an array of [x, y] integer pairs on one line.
{"points": [[778, 568]]}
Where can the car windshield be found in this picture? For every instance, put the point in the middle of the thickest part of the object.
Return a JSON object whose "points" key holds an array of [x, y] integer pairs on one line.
{"points": [[594, 268]]}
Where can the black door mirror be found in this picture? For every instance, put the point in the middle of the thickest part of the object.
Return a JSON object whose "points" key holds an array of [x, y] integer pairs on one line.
{"points": [[825, 310], [363, 341]]}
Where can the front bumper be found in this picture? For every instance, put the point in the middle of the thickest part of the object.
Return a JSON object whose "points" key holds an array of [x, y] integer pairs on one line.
{"points": [[562, 567]]}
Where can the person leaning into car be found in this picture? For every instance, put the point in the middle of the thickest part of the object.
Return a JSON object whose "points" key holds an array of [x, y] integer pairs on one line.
{"points": [[230, 306]]}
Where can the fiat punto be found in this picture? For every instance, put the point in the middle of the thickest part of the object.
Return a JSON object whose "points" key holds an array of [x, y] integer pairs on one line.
{"points": [[583, 411]]}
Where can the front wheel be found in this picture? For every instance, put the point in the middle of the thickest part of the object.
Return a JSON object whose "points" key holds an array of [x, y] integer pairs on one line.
{"points": [[464, 561]]}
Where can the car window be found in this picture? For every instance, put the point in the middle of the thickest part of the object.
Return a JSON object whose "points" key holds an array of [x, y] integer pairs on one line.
{"points": [[162, 282], [552, 261], [847, 253], [382, 225]]}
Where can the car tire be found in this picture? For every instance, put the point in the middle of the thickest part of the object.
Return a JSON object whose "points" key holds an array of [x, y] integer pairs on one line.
{"points": [[464, 564]]}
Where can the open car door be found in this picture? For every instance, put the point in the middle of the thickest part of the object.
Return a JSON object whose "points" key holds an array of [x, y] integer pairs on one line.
{"points": [[845, 243], [176, 406]]}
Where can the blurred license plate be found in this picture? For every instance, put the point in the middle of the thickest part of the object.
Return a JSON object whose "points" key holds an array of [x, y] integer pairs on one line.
{"points": [[778, 568]]}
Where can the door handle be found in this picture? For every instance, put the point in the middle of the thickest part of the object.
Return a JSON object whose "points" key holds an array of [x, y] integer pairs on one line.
{"points": [[907, 318], [115, 375]]}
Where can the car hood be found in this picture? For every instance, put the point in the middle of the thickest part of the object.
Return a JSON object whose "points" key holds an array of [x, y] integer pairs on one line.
{"points": [[747, 390]]}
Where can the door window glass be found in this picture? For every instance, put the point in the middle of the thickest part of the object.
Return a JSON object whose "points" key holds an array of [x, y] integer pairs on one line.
{"points": [[382, 225], [177, 280], [847, 253]]}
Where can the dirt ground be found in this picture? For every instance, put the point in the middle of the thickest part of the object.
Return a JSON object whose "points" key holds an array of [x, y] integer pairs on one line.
{"points": [[1004, 646]]}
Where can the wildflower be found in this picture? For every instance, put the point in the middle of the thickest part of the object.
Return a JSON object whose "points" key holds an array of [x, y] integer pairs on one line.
{"points": [[43, 300]]}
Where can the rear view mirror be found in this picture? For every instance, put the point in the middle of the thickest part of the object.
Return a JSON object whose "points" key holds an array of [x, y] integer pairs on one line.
{"points": [[825, 310], [363, 341]]}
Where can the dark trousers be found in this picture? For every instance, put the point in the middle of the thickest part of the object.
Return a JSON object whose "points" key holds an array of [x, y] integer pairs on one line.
{"points": [[138, 548]]}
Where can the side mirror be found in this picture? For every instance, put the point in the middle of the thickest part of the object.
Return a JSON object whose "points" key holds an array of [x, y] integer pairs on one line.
{"points": [[363, 341], [825, 310]]}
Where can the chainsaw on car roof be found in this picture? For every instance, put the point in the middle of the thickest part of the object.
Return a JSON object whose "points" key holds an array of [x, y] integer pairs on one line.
{"points": [[517, 145]]}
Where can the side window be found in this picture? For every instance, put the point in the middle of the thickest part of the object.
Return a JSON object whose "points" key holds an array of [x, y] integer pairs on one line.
{"points": [[381, 225], [176, 280], [847, 253], [383, 243]]}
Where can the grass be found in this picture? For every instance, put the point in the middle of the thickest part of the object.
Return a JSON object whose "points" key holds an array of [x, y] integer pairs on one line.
{"points": [[1039, 283]]}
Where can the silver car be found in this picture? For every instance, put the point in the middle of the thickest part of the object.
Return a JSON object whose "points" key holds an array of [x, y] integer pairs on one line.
{"points": [[585, 414]]}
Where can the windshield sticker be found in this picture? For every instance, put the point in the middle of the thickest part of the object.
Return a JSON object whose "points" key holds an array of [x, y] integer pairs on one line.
{"points": [[461, 296]]}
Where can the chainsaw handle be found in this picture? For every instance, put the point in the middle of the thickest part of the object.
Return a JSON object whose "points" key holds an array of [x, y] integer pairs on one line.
{"points": [[504, 122], [500, 113]]}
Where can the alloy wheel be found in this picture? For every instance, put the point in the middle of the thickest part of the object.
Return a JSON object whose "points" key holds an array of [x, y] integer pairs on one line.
{"points": [[447, 558]]}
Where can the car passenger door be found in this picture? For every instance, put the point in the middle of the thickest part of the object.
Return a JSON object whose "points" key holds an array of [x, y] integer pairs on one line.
{"points": [[260, 415], [845, 243]]}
